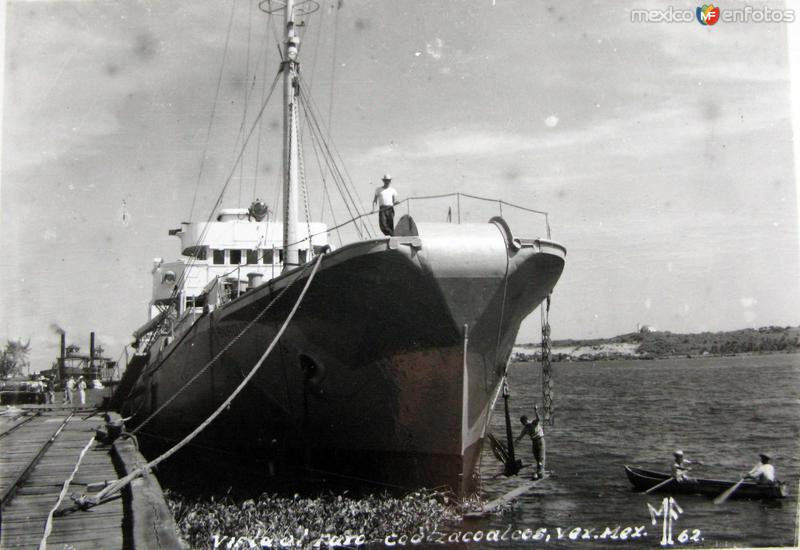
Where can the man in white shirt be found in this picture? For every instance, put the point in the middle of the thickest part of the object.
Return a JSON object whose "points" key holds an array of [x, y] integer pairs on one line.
{"points": [[69, 388], [681, 466], [764, 472], [82, 390], [385, 199]]}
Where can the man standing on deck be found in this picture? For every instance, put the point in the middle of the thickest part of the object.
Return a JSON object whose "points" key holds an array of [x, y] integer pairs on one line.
{"points": [[534, 430], [385, 198], [764, 472]]}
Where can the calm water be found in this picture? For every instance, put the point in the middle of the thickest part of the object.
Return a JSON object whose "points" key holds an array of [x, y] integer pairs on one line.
{"points": [[610, 413]]}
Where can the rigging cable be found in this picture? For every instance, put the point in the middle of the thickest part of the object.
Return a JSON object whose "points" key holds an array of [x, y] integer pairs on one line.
{"points": [[278, 181], [181, 279], [334, 156], [303, 184], [261, 122], [238, 159], [213, 112], [329, 161], [328, 153], [312, 72], [201, 237], [246, 90], [325, 193], [333, 64]]}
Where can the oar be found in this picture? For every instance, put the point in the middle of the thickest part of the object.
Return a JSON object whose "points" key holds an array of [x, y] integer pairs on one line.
{"points": [[654, 487], [728, 492]]}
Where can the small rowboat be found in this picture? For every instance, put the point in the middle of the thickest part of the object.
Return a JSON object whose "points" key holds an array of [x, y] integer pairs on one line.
{"points": [[645, 479]]}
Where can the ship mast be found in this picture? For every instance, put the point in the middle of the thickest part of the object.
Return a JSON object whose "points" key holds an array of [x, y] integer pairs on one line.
{"points": [[291, 134]]}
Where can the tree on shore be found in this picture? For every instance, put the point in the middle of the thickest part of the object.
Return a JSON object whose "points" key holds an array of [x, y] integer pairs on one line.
{"points": [[14, 358]]}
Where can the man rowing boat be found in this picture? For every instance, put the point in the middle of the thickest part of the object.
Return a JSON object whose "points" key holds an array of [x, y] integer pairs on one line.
{"points": [[763, 472], [681, 466]]}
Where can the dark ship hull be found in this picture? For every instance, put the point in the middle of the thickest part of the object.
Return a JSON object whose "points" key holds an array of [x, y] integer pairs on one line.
{"points": [[386, 374]]}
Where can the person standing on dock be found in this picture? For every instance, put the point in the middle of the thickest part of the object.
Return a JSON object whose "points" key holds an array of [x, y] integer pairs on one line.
{"points": [[82, 390], [49, 392], [763, 472], [50, 387], [69, 388], [533, 429], [385, 198]]}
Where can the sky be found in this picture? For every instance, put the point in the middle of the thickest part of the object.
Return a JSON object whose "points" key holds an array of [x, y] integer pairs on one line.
{"points": [[662, 152]]}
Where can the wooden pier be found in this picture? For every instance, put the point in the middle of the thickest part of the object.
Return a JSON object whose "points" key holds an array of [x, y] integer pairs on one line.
{"points": [[47, 455]]}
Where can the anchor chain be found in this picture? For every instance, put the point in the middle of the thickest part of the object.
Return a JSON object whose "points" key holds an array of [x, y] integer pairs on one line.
{"points": [[548, 408]]}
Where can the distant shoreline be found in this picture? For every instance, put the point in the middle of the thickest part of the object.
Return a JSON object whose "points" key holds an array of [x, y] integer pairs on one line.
{"points": [[652, 345]]}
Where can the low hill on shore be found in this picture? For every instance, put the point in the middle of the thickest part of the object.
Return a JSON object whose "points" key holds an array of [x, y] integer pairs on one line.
{"points": [[657, 345]]}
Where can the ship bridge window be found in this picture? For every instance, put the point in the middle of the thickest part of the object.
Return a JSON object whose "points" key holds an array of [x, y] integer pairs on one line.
{"points": [[202, 253], [195, 301], [219, 256], [252, 257], [236, 257], [267, 256]]}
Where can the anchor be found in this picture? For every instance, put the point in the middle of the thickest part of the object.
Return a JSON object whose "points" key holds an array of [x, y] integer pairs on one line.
{"points": [[505, 453]]}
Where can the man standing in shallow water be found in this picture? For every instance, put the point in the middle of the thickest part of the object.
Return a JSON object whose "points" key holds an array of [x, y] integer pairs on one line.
{"points": [[385, 198]]}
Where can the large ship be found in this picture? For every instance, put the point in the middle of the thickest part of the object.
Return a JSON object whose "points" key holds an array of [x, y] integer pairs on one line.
{"points": [[379, 360]]}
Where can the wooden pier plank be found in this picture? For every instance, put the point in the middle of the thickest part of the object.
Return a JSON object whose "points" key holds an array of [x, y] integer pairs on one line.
{"points": [[30, 508], [25, 514]]}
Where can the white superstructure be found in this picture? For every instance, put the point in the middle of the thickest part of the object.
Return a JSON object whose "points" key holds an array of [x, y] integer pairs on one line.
{"points": [[223, 259]]}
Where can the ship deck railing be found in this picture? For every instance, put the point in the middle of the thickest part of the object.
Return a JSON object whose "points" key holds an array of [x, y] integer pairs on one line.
{"points": [[454, 208]]}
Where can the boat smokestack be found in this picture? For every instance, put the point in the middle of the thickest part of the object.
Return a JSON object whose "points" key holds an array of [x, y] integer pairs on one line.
{"points": [[91, 354], [62, 356]]}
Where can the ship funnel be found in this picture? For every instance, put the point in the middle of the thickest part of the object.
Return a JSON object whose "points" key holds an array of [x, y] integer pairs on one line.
{"points": [[91, 354], [254, 280], [62, 357]]}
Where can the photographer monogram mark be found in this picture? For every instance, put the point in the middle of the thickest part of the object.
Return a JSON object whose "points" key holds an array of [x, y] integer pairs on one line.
{"points": [[669, 512]]}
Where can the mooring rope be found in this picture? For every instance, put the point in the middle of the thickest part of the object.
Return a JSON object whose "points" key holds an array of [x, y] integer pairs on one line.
{"points": [[122, 482], [48, 526]]}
